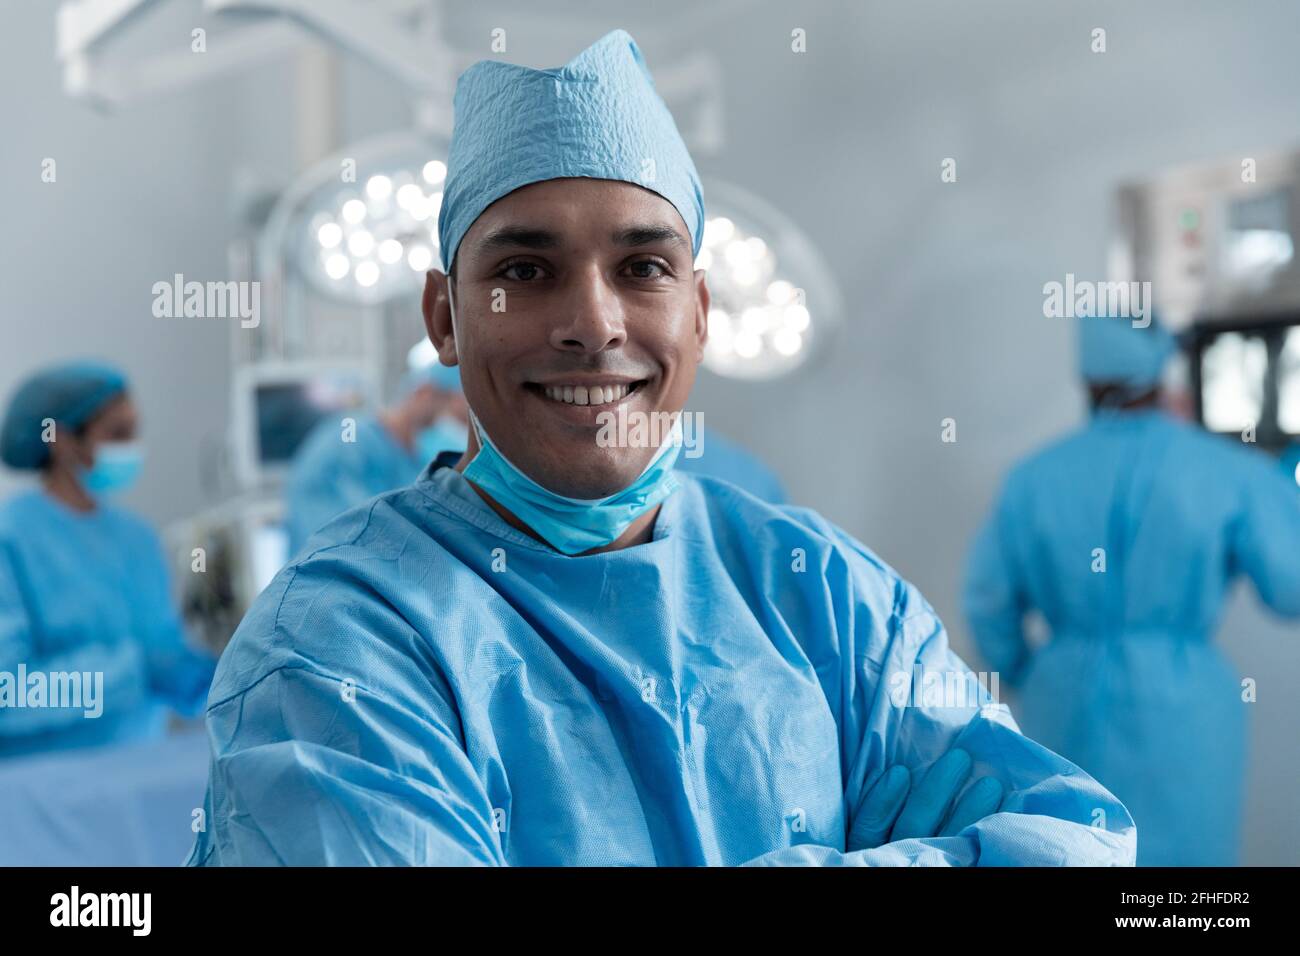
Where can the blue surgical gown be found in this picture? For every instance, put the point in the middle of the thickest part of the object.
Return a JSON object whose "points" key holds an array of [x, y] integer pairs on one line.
{"points": [[328, 475], [89, 592], [427, 685], [1129, 685], [723, 458]]}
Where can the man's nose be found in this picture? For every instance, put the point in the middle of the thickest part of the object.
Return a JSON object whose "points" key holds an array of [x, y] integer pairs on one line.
{"points": [[592, 319]]}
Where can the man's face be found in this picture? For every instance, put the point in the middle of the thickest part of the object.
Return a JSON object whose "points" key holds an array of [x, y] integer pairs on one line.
{"points": [[565, 287]]}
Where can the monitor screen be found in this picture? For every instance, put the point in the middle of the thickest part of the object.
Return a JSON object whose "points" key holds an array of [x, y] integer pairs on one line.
{"points": [[1234, 368], [288, 410], [1288, 383]]}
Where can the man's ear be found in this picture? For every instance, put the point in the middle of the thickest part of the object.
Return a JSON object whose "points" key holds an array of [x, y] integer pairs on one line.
{"points": [[701, 312], [437, 316]]}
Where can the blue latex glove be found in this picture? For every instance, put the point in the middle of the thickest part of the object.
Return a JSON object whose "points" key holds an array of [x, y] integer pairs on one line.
{"points": [[895, 810]]}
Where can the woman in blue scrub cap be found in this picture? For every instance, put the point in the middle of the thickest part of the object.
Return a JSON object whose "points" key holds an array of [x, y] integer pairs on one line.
{"points": [[91, 647]]}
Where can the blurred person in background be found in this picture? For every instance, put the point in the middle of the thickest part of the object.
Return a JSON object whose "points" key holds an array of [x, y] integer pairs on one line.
{"points": [[84, 585], [1125, 536], [387, 450], [723, 458]]}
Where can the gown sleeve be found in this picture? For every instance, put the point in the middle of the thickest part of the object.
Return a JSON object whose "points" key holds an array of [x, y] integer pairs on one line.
{"points": [[338, 758], [993, 596], [122, 663], [179, 675], [1053, 813], [1265, 540]]}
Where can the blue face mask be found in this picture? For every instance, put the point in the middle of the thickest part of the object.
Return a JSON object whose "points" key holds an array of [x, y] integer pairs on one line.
{"points": [[446, 434], [573, 525], [117, 465]]}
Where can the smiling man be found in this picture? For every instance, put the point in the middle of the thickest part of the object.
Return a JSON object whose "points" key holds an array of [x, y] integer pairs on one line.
{"points": [[553, 650]]}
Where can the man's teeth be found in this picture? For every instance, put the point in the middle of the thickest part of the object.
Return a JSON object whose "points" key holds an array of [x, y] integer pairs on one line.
{"points": [[587, 394]]}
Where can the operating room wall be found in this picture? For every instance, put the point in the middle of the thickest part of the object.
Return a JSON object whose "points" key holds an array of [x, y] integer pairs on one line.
{"points": [[941, 282]]}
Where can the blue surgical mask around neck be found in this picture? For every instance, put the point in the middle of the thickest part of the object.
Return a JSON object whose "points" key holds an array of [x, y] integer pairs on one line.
{"points": [[116, 467], [572, 525]]}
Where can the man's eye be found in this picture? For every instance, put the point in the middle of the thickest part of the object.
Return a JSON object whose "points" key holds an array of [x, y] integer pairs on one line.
{"points": [[646, 269], [522, 271]]}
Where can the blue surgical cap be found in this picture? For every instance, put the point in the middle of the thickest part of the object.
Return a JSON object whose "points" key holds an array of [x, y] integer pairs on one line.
{"points": [[71, 395], [1113, 349], [597, 116], [445, 377]]}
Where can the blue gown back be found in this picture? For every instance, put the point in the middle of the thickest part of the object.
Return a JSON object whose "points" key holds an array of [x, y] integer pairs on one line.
{"points": [[1129, 685]]}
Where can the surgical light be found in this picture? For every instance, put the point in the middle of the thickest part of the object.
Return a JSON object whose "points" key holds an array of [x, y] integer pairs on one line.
{"points": [[434, 172], [420, 258], [362, 226], [773, 300], [360, 243], [330, 235], [336, 266], [367, 274]]}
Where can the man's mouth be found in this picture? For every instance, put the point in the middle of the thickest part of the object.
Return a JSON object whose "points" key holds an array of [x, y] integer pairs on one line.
{"points": [[587, 393]]}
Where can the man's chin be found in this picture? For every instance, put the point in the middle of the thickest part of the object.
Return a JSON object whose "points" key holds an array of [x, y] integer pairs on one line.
{"points": [[590, 474]]}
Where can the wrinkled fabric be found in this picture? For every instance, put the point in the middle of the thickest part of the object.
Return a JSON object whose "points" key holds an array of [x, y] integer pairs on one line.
{"points": [[329, 475], [724, 459], [70, 395], [90, 592], [597, 116], [1129, 686], [427, 685]]}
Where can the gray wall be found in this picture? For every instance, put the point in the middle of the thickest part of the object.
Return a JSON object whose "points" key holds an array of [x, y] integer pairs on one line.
{"points": [[942, 283]]}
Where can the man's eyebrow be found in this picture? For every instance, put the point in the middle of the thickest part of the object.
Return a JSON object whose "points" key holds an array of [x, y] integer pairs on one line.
{"points": [[536, 238], [646, 235], [525, 236]]}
